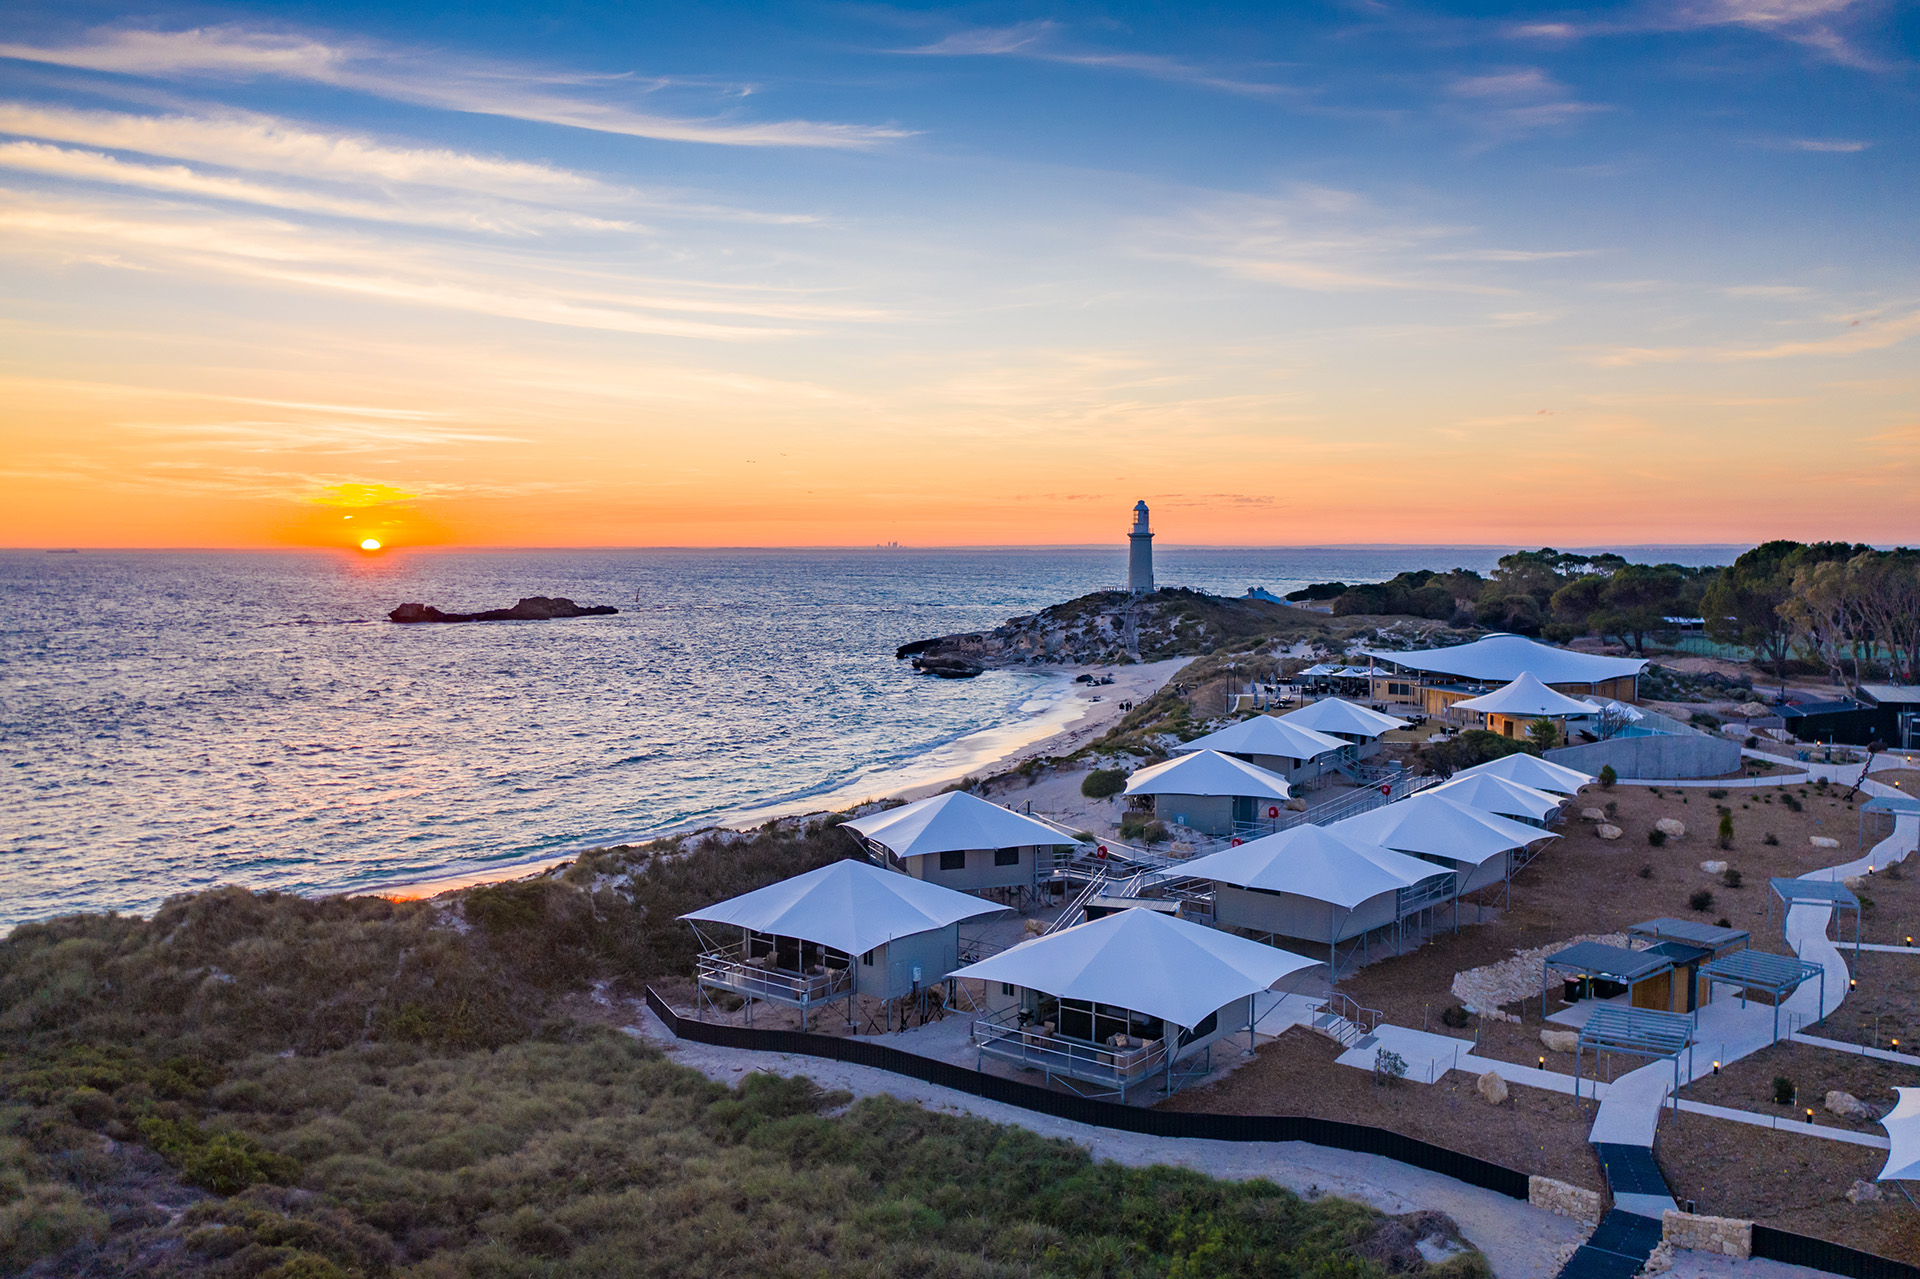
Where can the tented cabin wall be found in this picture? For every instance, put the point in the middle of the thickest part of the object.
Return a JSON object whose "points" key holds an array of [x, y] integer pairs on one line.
{"points": [[1290, 915], [1208, 814], [1294, 770], [886, 972], [971, 870], [1097, 1023]]}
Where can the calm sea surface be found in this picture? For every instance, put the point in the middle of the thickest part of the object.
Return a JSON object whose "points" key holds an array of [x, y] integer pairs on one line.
{"points": [[171, 721]]}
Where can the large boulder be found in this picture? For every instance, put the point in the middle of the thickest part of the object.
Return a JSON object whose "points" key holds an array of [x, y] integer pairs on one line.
{"points": [[1848, 1106], [1714, 868], [1560, 1041], [1492, 1088], [1593, 815], [1863, 1192], [1608, 832], [1823, 841], [1671, 827]]}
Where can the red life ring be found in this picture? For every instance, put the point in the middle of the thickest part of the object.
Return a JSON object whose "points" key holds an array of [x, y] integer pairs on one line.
{"points": [[1100, 851], [1236, 842], [1273, 810]]}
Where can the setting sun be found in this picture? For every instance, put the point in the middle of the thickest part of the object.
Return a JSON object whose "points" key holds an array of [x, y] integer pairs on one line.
{"points": [[370, 544]]}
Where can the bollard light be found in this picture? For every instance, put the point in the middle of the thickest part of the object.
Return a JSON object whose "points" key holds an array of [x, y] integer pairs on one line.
{"points": [[1853, 983], [1896, 1042], [1809, 1114], [1543, 1063], [1909, 939], [1716, 1067]]}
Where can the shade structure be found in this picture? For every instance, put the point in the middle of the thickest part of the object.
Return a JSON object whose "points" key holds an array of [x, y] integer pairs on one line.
{"points": [[1208, 773], [852, 906], [1527, 696], [1502, 657], [1499, 796], [1320, 863], [1531, 770], [1336, 715], [1433, 825], [1143, 961], [1265, 735], [950, 822], [1903, 1137]]}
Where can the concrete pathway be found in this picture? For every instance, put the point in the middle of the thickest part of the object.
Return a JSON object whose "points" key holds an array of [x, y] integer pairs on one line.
{"points": [[1759, 1120], [1859, 1050]]}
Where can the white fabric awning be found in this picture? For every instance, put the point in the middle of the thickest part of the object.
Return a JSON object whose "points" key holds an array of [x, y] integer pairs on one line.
{"points": [[1334, 715], [1320, 863], [1502, 657], [1492, 794], [1266, 735], [952, 822], [1436, 826], [851, 905], [1143, 961], [1531, 770], [1527, 696], [1903, 1137], [1208, 773]]}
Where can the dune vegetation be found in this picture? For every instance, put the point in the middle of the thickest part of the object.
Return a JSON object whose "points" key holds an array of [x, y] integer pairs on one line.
{"points": [[270, 1087]]}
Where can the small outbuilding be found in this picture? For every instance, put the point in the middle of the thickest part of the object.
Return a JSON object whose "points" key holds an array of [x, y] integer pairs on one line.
{"points": [[1296, 753], [1337, 717], [1209, 792], [1691, 945], [1315, 883], [843, 930], [1119, 1002], [1595, 970], [961, 841]]}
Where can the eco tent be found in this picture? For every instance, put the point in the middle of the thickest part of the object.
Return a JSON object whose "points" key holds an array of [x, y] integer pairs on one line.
{"points": [[1318, 883], [1478, 844], [851, 928], [1210, 792], [1903, 1137], [1531, 770], [1270, 742], [1501, 797], [961, 841], [1114, 1002], [1508, 709], [1340, 718]]}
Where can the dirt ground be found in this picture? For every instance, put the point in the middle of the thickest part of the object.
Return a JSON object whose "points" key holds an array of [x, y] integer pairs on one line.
{"points": [[1883, 1006], [1747, 1084], [1296, 1074], [1788, 1181]]}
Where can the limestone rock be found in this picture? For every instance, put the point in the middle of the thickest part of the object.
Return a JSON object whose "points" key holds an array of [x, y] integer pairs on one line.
{"points": [[1863, 1192], [1608, 832], [1564, 1200], [1755, 710], [1855, 882], [1714, 868], [1492, 1088], [1823, 841], [1593, 815], [1848, 1106], [1560, 1041], [1671, 827]]}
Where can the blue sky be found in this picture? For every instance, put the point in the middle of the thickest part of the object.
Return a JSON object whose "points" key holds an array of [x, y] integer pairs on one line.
{"points": [[844, 273]]}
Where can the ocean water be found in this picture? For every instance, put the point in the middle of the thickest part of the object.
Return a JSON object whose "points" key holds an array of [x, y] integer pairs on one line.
{"points": [[170, 721]]}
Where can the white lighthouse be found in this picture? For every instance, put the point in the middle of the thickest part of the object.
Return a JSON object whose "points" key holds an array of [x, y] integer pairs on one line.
{"points": [[1140, 553]]}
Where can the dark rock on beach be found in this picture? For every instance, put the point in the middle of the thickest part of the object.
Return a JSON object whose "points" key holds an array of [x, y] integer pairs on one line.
{"points": [[948, 667], [537, 609]]}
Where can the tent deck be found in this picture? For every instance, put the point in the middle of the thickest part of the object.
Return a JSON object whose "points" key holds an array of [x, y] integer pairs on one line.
{"points": [[729, 969], [1010, 1036]]}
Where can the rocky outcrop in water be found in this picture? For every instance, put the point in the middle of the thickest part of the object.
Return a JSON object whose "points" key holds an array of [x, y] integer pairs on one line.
{"points": [[538, 608]]}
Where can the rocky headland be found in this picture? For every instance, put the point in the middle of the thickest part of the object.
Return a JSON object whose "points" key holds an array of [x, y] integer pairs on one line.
{"points": [[538, 608]]}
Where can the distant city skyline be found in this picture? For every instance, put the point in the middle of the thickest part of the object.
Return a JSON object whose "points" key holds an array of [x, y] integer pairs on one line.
{"points": [[1353, 274]]}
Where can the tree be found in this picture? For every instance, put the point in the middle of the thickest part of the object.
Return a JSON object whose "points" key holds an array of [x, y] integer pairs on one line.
{"points": [[1544, 734], [1887, 586], [1743, 606]]}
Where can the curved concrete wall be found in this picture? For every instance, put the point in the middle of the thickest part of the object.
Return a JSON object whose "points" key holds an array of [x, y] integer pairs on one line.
{"points": [[1662, 756]]}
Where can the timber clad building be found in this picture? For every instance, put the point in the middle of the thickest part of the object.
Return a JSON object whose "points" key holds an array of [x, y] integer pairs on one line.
{"points": [[1434, 679]]}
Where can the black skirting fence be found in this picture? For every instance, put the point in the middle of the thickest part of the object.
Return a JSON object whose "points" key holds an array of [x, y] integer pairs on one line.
{"points": [[1777, 1245]]}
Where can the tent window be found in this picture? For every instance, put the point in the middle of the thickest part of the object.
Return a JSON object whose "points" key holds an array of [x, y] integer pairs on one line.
{"points": [[1399, 690], [955, 860], [867, 959], [1006, 857], [1006, 988]]}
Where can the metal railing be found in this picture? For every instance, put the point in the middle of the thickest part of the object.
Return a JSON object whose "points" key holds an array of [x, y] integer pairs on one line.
{"points": [[1010, 1036], [1346, 1021], [731, 970]]}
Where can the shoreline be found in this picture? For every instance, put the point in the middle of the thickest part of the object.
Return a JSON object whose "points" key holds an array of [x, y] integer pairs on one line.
{"points": [[1077, 716]]}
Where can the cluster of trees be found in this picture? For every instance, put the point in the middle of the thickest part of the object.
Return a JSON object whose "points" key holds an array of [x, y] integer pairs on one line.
{"points": [[1839, 603], [1842, 604]]}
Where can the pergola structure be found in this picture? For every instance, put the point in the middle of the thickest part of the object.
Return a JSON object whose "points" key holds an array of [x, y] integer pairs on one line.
{"points": [[1589, 959], [1894, 806], [1817, 892], [1778, 976], [1640, 1032]]}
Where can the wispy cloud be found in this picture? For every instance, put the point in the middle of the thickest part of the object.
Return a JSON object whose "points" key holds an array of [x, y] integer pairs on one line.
{"points": [[1843, 145], [1856, 338], [1813, 24], [1518, 101], [1045, 41], [595, 102]]}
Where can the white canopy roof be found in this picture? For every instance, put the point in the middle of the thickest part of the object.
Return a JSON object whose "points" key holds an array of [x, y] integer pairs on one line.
{"points": [[1492, 794], [1531, 770], [851, 905], [1145, 961], [1208, 773], [1903, 1137], [1266, 735], [1526, 696], [1440, 827], [953, 821], [1321, 863], [1334, 715], [1503, 657]]}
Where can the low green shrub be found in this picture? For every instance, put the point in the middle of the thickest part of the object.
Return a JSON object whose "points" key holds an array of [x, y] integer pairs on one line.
{"points": [[1699, 899], [1103, 783]]}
